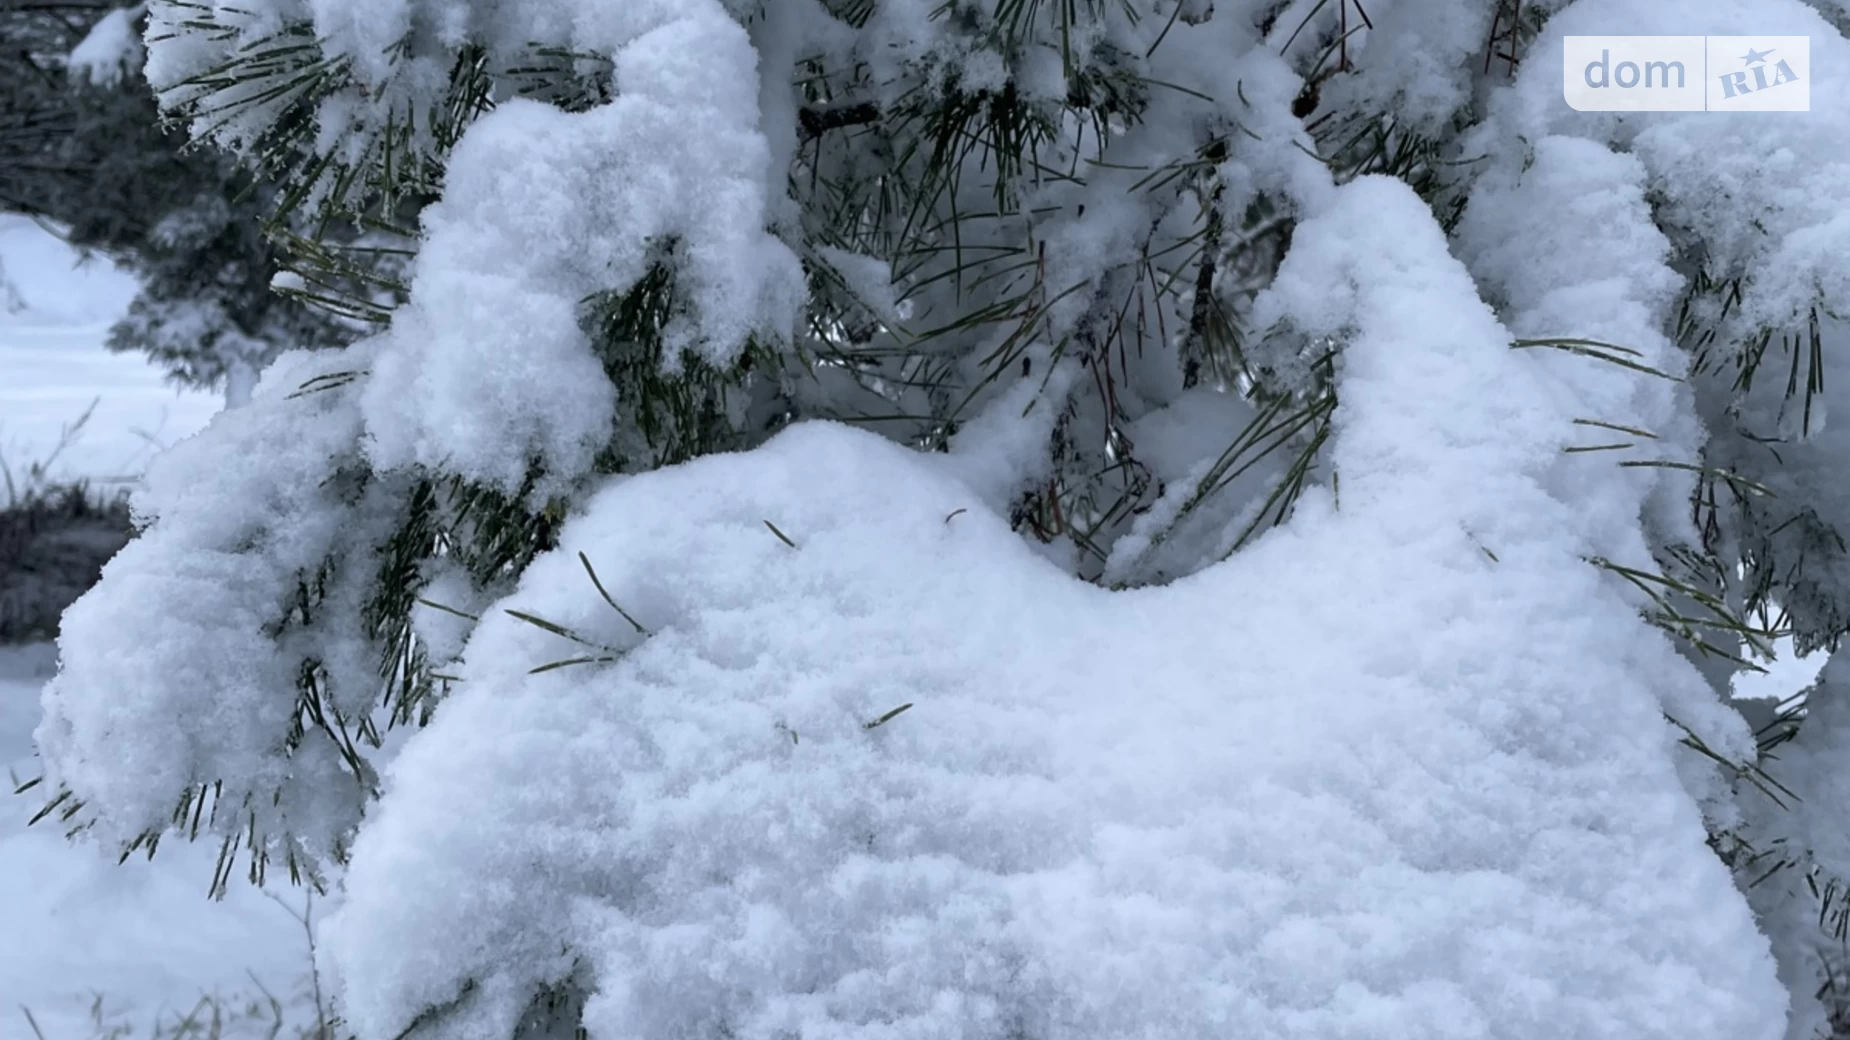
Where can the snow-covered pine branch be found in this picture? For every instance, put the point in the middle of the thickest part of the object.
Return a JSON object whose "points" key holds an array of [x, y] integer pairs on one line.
{"points": [[1306, 499]]}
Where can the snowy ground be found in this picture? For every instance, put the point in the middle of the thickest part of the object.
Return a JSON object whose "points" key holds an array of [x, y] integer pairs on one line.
{"points": [[52, 367], [74, 926], [140, 936]]}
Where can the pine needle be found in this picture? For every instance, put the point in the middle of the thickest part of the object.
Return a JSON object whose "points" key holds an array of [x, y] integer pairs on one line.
{"points": [[568, 662], [781, 536], [882, 720], [1611, 353], [558, 630], [432, 604], [637, 625]]}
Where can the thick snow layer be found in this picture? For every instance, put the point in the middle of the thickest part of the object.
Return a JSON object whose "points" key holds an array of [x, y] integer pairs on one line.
{"points": [[1765, 196], [1568, 243], [1426, 792], [243, 515]]}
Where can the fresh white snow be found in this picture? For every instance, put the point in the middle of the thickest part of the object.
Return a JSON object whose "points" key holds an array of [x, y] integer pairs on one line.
{"points": [[112, 48], [53, 367], [1101, 814], [851, 759], [74, 926]]}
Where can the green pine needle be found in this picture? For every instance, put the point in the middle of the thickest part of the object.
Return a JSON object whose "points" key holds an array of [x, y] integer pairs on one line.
{"points": [[889, 716], [781, 536]]}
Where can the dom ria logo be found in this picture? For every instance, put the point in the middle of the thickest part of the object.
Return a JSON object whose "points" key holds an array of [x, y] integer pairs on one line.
{"points": [[1687, 73], [1734, 84]]}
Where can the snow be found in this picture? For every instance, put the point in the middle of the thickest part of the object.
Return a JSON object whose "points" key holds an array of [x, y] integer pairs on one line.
{"points": [[874, 767], [213, 696], [1101, 814], [78, 928], [140, 935], [1766, 195], [490, 369], [53, 367], [1524, 238], [112, 48], [1787, 674], [1804, 838], [1418, 59], [1180, 443]]}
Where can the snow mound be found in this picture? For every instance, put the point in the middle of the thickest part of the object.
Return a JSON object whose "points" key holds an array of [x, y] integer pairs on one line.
{"points": [[1428, 793]]}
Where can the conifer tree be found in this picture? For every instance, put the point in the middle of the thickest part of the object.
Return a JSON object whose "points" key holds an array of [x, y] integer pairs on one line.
{"points": [[1007, 518]]}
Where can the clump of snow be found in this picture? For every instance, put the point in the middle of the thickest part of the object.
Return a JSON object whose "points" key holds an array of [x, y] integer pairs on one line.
{"points": [[869, 279], [80, 927], [1416, 59], [1003, 449], [489, 369], [1563, 238], [77, 925], [1425, 792], [111, 49], [183, 667], [488, 373]]}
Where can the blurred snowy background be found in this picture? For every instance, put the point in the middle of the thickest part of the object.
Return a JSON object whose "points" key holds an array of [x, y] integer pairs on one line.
{"points": [[52, 329]]}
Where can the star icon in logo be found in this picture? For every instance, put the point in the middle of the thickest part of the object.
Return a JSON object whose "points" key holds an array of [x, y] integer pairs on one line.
{"points": [[1754, 57]]}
